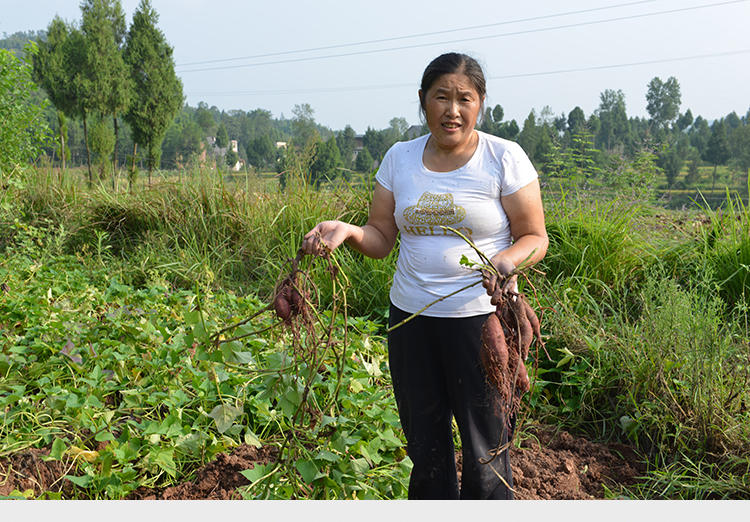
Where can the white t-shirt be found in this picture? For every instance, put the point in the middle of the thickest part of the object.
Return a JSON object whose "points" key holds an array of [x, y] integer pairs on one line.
{"points": [[466, 199]]}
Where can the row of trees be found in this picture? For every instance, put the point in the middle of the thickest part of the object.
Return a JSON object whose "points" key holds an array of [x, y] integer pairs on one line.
{"points": [[575, 144], [330, 153], [103, 71], [564, 145]]}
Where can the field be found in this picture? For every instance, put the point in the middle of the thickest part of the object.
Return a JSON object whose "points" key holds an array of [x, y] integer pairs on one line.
{"points": [[139, 358]]}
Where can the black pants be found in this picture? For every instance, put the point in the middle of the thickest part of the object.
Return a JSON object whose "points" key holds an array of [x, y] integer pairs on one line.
{"points": [[437, 375]]}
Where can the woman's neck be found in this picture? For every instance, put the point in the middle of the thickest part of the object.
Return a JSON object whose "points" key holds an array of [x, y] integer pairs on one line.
{"points": [[446, 159]]}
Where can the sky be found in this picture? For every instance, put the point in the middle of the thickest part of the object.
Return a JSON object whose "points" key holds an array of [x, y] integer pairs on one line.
{"points": [[360, 63]]}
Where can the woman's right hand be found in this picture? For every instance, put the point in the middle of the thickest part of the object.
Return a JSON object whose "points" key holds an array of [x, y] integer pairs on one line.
{"points": [[326, 237], [498, 286]]}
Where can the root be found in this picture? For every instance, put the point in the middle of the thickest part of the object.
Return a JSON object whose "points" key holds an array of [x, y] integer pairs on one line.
{"points": [[507, 336]]}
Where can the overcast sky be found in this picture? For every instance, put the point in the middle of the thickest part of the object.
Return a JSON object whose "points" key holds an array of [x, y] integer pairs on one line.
{"points": [[360, 62]]}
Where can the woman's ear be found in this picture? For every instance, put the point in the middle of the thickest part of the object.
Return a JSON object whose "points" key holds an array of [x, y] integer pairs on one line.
{"points": [[421, 98]]}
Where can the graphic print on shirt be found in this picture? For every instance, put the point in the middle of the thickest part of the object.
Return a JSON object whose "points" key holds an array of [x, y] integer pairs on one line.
{"points": [[432, 211]]}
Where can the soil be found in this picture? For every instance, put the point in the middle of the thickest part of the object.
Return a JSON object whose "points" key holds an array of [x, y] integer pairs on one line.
{"points": [[28, 471], [217, 480], [547, 466], [561, 466]]}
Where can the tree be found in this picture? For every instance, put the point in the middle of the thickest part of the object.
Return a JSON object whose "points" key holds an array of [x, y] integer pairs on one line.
{"points": [[398, 128], [699, 133], [183, 141], [261, 152], [508, 130], [491, 121], [364, 161], [663, 101], [346, 142], [326, 160], [204, 118], [684, 121], [691, 178], [52, 73], [304, 128], [529, 136], [104, 28], [222, 138], [671, 161], [231, 157], [739, 143], [576, 120], [717, 150], [376, 142], [497, 113], [102, 143], [614, 127], [157, 89], [63, 151], [732, 121], [60, 67], [23, 130]]}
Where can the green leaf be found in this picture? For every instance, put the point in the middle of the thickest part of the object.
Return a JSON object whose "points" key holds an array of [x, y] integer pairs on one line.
{"points": [[307, 469], [192, 318], [257, 472], [360, 466], [355, 386], [58, 449], [390, 438], [191, 443], [233, 353], [163, 459], [568, 357], [83, 481], [328, 456], [104, 436], [252, 440], [224, 415], [465, 261]]}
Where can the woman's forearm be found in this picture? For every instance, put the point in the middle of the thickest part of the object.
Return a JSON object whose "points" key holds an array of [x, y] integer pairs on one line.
{"points": [[370, 241], [526, 250]]}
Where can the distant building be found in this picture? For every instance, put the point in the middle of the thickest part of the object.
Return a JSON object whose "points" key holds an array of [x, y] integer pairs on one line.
{"points": [[219, 154], [415, 131], [237, 166]]}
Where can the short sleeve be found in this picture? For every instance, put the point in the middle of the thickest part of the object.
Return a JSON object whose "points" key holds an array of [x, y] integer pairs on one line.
{"points": [[518, 170], [384, 176]]}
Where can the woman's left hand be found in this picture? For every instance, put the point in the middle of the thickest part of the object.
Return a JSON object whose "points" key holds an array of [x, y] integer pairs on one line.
{"points": [[497, 287]]}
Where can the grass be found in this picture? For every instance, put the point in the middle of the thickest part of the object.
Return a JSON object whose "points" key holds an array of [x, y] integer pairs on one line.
{"points": [[643, 311]]}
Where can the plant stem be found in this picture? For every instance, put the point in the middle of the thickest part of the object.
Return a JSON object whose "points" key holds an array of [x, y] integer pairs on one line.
{"points": [[412, 316]]}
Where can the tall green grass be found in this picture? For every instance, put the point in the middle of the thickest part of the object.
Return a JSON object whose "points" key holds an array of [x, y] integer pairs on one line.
{"points": [[648, 341], [206, 231]]}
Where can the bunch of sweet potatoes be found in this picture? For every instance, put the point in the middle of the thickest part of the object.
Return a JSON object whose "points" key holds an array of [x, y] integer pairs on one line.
{"points": [[507, 335]]}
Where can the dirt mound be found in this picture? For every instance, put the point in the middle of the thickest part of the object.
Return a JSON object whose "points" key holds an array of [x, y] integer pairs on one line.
{"points": [[565, 467], [28, 471], [549, 466], [217, 480]]}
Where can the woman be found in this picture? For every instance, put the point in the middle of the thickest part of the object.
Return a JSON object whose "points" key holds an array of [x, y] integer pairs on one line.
{"points": [[486, 188]]}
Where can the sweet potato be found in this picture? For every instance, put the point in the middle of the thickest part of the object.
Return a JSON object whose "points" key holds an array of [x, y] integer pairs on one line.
{"points": [[507, 335]]}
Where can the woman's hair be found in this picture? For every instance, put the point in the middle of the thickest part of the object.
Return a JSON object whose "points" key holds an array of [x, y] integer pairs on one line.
{"points": [[450, 63]]}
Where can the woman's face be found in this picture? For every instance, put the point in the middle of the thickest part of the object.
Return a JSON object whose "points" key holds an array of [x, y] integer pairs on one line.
{"points": [[452, 106]]}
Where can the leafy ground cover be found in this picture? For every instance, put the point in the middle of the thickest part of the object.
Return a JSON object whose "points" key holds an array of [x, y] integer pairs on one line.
{"points": [[127, 389]]}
